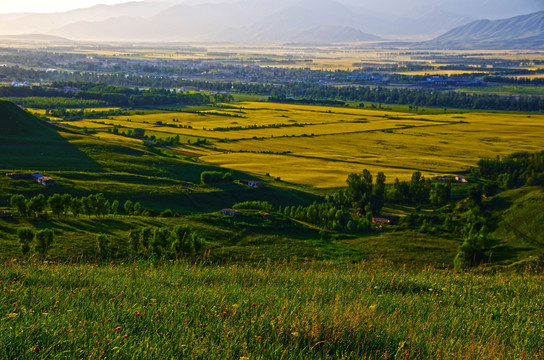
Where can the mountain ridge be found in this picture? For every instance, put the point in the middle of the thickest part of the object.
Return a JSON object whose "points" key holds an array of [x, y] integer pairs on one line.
{"points": [[518, 32]]}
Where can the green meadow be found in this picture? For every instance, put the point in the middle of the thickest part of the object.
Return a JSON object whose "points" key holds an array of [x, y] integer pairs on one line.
{"points": [[264, 310]]}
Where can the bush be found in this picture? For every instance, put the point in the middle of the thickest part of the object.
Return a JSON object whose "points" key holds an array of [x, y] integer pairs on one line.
{"points": [[209, 177], [25, 235], [103, 244], [167, 213], [44, 239]]}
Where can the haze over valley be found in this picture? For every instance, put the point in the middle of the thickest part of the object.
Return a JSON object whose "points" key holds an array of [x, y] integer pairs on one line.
{"points": [[308, 21]]}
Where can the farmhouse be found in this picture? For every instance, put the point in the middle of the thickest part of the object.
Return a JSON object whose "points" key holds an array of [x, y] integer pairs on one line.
{"points": [[231, 212], [381, 220], [252, 183], [44, 180]]}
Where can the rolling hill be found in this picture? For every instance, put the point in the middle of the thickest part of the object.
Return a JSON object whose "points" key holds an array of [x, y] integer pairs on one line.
{"points": [[29, 143], [519, 32]]}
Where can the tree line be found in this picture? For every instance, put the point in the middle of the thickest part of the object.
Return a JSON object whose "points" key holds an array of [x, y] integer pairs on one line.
{"points": [[101, 94], [65, 205], [157, 242]]}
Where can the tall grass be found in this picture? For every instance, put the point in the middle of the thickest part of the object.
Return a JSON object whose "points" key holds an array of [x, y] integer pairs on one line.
{"points": [[266, 311]]}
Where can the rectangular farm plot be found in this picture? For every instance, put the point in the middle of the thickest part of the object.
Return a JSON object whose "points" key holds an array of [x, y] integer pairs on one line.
{"points": [[320, 173]]}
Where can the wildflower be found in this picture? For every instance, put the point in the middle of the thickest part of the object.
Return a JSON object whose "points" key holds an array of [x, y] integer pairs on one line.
{"points": [[126, 336], [36, 349], [118, 328]]}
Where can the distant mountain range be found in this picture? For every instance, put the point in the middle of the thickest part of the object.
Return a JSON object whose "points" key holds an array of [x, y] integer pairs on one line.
{"points": [[519, 32], [299, 21], [236, 21]]}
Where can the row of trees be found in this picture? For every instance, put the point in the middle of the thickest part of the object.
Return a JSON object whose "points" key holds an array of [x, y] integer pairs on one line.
{"points": [[160, 242], [72, 115], [64, 205], [415, 97], [101, 94], [150, 140], [56, 102], [329, 215]]}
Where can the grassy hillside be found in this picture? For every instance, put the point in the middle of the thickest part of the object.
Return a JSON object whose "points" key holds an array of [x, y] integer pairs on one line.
{"points": [[271, 311], [31, 144], [122, 170], [519, 224]]}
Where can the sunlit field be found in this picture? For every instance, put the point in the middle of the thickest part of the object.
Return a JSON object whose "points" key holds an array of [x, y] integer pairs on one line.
{"points": [[320, 145]]}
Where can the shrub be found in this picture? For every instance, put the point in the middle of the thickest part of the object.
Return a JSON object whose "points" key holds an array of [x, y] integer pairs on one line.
{"points": [[25, 235], [167, 213], [103, 244], [44, 239], [209, 177]]}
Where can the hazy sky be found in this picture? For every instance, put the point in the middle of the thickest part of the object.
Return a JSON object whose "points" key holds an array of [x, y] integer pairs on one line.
{"points": [[524, 6], [10, 6]]}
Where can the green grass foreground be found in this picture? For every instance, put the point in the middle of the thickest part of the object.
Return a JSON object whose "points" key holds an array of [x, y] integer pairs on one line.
{"points": [[313, 310]]}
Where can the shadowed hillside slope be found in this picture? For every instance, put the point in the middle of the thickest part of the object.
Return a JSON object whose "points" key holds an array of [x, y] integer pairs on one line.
{"points": [[27, 142]]}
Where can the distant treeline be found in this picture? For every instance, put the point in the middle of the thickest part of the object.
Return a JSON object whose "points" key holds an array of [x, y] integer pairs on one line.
{"points": [[307, 101], [514, 80], [56, 102], [415, 97], [102, 94], [300, 90], [80, 114]]}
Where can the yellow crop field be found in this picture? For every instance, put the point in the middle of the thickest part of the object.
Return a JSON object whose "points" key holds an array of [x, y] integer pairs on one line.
{"points": [[321, 145], [441, 148], [318, 172]]}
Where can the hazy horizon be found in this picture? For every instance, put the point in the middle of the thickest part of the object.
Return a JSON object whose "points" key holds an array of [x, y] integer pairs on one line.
{"points": [[496, 8], [261, 20]]}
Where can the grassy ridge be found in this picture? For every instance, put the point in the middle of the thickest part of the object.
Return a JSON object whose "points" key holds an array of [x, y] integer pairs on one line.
{"points": [[266, 311], [28, 143]]}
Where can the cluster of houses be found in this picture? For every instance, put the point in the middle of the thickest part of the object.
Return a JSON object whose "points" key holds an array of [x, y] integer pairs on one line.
{"points": [[5, 214], [39, 178], [439, 81]]}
